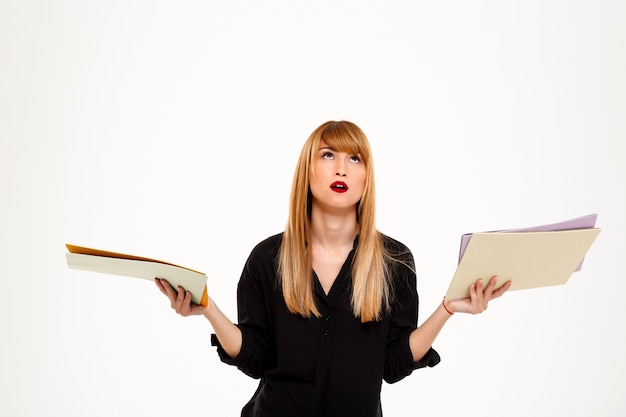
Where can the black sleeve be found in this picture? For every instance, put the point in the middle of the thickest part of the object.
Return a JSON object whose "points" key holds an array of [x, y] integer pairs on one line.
{"points": [[399, 361], [253, 303]]}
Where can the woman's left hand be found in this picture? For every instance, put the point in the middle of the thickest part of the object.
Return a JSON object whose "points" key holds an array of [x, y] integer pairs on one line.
{"points": [[479, 298]]}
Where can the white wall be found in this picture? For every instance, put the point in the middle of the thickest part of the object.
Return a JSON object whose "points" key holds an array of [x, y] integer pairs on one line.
{"points": [[171, 130]]}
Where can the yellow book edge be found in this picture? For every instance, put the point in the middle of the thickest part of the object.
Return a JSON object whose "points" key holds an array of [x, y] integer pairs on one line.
{"points": [[82, 250]]}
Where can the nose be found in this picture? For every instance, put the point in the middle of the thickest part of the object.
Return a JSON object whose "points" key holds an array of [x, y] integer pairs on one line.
{"points": [[341, 170]]}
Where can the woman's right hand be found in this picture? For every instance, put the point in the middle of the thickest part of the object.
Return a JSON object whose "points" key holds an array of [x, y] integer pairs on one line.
{"points": [[180, 300]]}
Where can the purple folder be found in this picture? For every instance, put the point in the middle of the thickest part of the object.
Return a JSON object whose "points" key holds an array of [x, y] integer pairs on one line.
{"points": [[584, 222]]}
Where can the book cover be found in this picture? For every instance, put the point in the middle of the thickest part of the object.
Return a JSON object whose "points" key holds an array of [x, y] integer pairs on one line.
{"points": [[531, 257], [583, 222]]}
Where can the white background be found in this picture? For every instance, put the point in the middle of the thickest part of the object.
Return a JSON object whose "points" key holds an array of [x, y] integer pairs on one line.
{"points": [[171, 130]]}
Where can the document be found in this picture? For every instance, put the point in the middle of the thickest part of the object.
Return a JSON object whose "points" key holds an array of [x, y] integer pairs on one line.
{"points": [[531, 257], [96, 260]]}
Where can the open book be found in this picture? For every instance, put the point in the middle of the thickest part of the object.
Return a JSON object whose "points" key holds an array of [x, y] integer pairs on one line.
{"points": [[531, 257], [96, 260]]}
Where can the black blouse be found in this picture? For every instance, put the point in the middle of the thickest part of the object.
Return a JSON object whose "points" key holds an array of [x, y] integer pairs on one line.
{"points": [[330, 366]]}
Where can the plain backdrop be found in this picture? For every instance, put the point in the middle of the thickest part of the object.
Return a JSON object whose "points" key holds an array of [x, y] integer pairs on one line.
{"points": [[171, 130]]}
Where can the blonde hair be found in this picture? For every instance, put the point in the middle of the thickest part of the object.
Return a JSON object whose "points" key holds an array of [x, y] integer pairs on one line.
{"points": [[370, 272]]}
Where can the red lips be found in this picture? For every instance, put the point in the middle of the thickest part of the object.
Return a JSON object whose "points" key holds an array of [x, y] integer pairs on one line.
{"points": [[339, 187]]}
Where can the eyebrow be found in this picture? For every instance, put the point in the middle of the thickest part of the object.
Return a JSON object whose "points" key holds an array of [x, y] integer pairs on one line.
{"points": [[330, 148]]}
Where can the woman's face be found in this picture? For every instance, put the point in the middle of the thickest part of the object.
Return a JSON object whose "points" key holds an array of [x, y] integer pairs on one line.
{"points": [[337, 179]]}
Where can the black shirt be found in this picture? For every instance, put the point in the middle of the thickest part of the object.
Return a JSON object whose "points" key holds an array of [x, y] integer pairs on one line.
{"points": [[331, 366]]}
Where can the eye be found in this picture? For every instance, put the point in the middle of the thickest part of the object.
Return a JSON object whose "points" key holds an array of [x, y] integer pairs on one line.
{"points": [[355, 158], [327, 155]]}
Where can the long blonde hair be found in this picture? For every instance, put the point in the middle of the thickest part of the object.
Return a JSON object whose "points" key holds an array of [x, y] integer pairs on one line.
{"points": [[370, 275]]}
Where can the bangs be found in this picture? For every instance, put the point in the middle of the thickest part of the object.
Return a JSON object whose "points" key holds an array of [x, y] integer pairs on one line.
{"points": [[346, 137]]}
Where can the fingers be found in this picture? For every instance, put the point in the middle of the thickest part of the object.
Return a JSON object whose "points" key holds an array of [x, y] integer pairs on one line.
{"points": [[180, 300], [492, 285], [182, 304], [491, 292], [480, 296], [477, 298], [498, 292], [159, 284], [165, 288]]}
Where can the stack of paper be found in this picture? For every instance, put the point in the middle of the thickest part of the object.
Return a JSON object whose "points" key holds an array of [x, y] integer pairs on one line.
{"points": [[532, 257], [114, 263]]}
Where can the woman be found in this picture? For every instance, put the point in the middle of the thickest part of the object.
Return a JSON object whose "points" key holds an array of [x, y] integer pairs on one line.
{"points": [[328, 308]]}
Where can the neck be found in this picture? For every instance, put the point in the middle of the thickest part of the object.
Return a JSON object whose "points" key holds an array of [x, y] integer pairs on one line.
{"points": [[332, 229]]}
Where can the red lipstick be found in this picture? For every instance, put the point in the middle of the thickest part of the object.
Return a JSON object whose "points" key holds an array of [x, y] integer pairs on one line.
{"points": [[339, 187]]}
